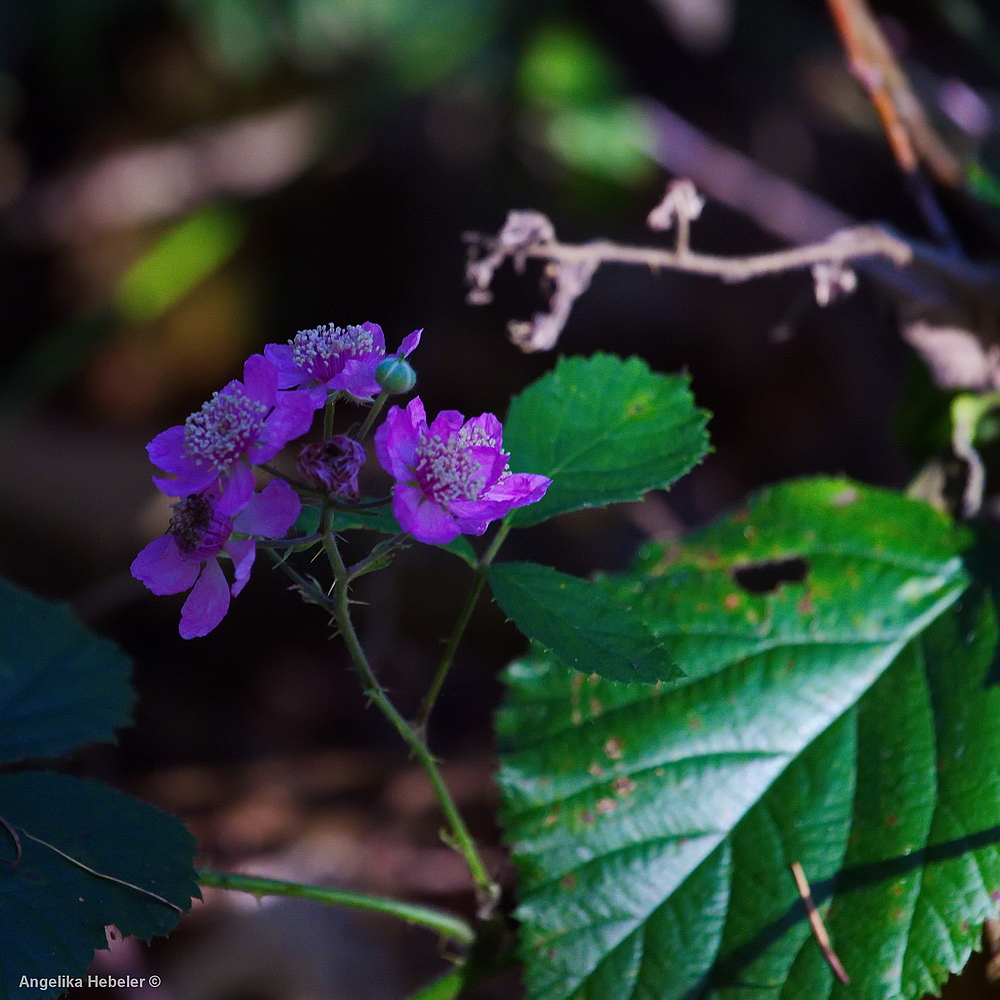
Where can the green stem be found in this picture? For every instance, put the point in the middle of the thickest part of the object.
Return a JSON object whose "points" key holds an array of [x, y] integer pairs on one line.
{"points": [[379, 552], [328, 411], [291, 480], [427, 705], [487, 891], [435, 920], [373, 413]]}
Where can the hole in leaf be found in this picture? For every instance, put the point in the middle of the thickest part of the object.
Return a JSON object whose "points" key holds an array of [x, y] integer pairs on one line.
{"points": [[767, 577]]}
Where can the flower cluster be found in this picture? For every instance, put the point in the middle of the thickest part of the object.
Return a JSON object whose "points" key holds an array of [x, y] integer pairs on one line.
{"points": [[452, 475]]}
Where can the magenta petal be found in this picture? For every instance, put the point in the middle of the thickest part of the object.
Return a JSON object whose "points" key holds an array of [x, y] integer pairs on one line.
{"points": [[476, 510], [409, 343], [162, 568], [418, 417], [207, 603], [358, 378], [291, 417], [166, 451], [520, 489], [317, 396], [242, 554], [271, 512], [396, 444], [260, 378], [289, 373], [422, 518], [197, 479], [446, 423], [237, 490]]}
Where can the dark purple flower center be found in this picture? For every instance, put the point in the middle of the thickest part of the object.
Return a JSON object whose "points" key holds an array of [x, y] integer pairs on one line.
{"points": [[446, 470], [199, 531], [323, 352], [224, 428]]}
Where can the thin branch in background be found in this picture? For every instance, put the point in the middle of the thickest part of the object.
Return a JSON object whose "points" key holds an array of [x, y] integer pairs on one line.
{"points": [[529, 234], [816, 923], [911, 136]]}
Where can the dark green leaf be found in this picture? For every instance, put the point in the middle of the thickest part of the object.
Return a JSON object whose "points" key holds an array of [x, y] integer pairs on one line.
{"points": [[53, 910], [604, 430], [60, 685], [580, 623], [653, 835]]}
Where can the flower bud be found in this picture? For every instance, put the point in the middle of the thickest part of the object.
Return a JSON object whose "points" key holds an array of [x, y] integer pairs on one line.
{"points": [[333, 465], [395, 374]]}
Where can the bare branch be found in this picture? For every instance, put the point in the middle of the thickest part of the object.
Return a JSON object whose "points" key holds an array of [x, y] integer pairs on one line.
{"points": [[571, 266]]}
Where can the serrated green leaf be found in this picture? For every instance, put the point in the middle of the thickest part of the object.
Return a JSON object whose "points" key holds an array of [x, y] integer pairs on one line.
{"points": [[381, 519], [60, 685], [53, 911], [580, 623], [604, 430], [653, 834]]}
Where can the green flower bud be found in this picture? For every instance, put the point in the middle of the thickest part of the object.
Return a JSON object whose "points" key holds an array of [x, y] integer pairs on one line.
{"points": [[395, 374]]}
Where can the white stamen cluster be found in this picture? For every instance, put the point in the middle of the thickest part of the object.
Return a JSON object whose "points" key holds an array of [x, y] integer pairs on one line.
{"points": [[313, 348], [447, 471], [222, 430]]}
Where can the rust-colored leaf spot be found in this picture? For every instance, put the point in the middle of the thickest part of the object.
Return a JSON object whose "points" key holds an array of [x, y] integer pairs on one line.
{"points": [[623, 785], [587, 818], [891, 819], [613, 748], [732, 602], [595, 770], [605, 806], [568, 880]]}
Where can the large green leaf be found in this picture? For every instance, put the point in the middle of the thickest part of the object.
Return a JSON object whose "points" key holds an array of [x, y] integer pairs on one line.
{"points": [[60, 685], [604, 430], [653, 829], [580, 623], [53, 910]]}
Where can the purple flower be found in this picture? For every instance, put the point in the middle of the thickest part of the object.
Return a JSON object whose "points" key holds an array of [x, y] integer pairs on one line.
{"points": [[245, 424], [452, 477], [333, 465], [332, 358], [187, 555]]}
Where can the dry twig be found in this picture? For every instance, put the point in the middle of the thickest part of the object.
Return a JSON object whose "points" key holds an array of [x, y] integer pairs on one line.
{"points": [[530, 234], [816, 923]]}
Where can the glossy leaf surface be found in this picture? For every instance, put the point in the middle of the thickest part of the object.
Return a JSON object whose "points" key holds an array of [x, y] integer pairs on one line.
{"points": [[653, 829]]}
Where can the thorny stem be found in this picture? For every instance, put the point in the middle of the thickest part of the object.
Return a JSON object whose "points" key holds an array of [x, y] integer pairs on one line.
{"points": [[435, 920], [383, 548], [427, 705], [487, 891], [373, 413], [291, 480]]}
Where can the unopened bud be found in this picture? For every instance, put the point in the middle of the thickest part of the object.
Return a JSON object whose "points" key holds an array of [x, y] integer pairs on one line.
{"points": [[395, 374], [333, 465]]}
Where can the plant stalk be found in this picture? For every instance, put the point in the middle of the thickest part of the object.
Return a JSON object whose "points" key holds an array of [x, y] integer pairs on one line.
{"points": [[435, 920]]}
